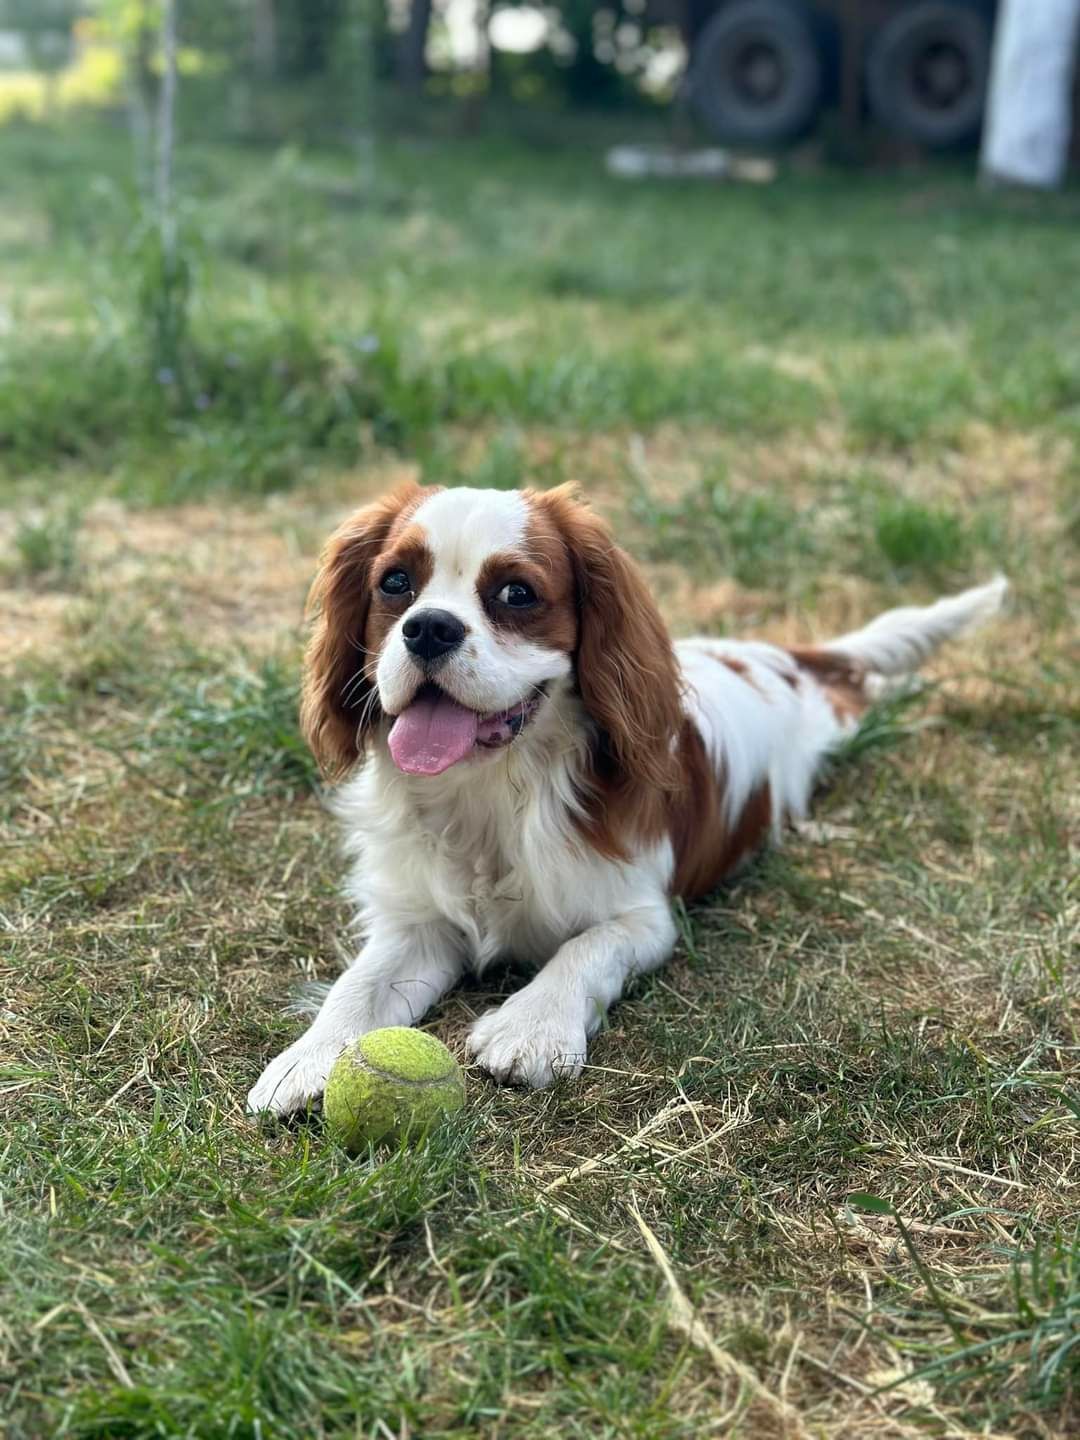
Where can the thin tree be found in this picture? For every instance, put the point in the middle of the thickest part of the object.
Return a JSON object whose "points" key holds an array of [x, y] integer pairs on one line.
{"points": [[412, 47]]}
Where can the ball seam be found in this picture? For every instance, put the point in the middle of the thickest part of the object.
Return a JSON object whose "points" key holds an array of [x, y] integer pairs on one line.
{"points": [[376, 1070]]}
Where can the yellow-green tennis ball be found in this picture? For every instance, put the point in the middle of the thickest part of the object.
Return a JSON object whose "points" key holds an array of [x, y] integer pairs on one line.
{"points": [[390, 1084]]}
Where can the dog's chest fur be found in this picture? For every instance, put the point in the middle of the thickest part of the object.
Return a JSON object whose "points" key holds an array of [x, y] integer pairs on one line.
{"points": [[492, 851]]}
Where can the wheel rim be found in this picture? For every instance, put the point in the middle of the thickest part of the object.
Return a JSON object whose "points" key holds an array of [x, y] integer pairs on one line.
{"points": [[758, 73], [941, 76]]}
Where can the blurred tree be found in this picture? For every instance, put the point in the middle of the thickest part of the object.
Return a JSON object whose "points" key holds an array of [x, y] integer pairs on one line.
{"points": [[264, 37], [45, 27], [412, 47], [307, 31], [596, 54], [589, 76], [135, 25]]}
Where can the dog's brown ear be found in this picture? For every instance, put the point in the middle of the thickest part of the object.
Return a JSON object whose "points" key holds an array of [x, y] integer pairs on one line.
{"points": [[339, 705], [626, 669]]}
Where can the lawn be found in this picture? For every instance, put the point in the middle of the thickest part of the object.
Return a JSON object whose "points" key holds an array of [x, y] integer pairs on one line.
{"points": [[798, 403]]}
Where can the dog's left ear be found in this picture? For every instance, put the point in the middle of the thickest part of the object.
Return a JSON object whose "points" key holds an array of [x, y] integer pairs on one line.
{"points": [[626, 669], [339, 707]]}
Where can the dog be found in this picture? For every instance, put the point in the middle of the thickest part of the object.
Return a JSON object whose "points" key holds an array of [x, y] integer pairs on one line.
{"points": [[533, 769]]}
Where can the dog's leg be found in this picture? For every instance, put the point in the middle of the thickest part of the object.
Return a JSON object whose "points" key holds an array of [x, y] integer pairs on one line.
{"points": [[542, 1031], [398, 975]]}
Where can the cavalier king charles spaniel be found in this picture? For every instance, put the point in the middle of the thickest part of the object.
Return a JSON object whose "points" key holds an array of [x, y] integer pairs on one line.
{"points": [[543, 768]]}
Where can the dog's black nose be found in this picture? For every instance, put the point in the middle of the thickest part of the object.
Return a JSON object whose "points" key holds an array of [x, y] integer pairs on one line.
{"points": [[431, 634]]}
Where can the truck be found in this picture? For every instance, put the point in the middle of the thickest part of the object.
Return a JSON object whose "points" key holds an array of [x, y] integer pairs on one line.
{"points": [[763, 72]]}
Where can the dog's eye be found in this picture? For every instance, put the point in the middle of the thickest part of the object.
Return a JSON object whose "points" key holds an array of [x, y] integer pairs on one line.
{"points": [[395, 582], [517, 595]]}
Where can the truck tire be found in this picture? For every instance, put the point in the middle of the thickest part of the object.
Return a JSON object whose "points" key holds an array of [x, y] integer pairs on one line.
{"points": [[756, 73], [926, 72]]}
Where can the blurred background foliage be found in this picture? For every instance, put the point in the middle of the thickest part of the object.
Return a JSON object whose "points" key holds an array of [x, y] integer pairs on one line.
{"points": [[178, 350], [275, 69]]}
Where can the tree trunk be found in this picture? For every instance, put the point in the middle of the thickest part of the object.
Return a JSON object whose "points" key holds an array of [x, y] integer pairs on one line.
{"points": [[264, 40], [412, 62], [142, 96]]}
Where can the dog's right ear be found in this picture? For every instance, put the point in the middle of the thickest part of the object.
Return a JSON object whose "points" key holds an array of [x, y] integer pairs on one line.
{"points": [[339, 706]]}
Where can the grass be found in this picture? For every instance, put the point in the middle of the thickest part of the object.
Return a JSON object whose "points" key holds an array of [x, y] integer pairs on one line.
{"points": [[326, 318], [45, 547], [804, 403]]}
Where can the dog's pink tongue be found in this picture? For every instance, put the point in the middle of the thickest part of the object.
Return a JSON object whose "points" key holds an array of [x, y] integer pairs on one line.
{"points": [[432, 734]]}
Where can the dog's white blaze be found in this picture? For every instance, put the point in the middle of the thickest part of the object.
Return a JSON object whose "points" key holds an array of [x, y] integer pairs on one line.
{"points": [[463, 528]]}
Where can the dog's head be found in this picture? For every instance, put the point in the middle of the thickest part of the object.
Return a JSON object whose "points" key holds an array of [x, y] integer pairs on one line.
{"points": [[458, 615]]}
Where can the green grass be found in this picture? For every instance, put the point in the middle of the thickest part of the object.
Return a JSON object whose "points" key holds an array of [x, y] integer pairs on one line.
{"points": [[738, 534], [44, 547], [797, 405], [481, 289]]}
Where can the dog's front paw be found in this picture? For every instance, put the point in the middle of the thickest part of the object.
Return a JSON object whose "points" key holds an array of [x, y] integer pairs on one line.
{"points": [[528, 1043], [295, 1078]]}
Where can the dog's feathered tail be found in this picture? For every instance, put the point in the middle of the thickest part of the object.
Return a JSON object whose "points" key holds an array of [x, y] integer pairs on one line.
{"points": [[898, 642]]}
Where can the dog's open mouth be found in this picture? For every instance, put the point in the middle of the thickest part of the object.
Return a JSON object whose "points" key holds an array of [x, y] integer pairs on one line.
{"points": [[434, 732]]}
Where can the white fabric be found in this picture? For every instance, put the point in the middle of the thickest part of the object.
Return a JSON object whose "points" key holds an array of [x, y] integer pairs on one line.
{"points": [[1029, 106]]}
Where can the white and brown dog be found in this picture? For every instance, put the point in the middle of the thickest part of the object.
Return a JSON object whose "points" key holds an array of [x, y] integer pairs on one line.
{"points": [[543, 768]]}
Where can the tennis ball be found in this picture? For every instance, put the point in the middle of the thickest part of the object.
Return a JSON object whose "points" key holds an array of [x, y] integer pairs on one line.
{"points": [[391, 1083]]}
